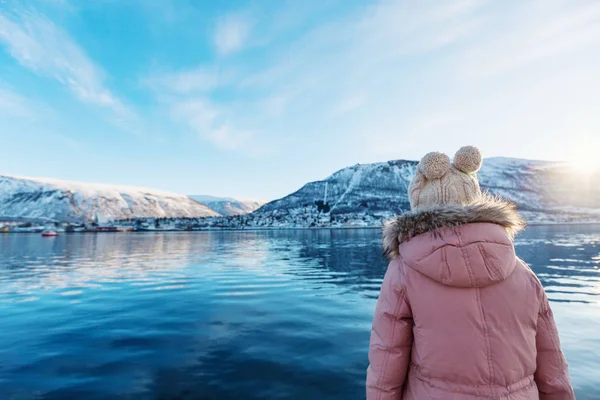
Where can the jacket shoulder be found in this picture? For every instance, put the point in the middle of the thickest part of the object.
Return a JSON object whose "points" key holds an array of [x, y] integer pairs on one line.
{"points": [[523, 268], [398, 272]]}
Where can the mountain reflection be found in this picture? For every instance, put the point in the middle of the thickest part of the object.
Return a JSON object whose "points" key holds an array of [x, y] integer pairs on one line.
{"points": [[565, 258]]}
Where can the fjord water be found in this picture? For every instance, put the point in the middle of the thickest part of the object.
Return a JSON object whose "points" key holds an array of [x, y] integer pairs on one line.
{"points": [[234, 315]]}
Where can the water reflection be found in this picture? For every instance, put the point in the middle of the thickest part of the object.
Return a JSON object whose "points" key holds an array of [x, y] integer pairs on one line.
{"points": [[566, 259], [227, 315]]}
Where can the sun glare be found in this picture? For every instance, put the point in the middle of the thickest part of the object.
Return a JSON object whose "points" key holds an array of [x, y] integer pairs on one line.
{"points": [[586, 159]]}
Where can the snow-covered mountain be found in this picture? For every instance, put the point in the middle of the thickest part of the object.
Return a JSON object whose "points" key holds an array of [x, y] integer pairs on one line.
{"points": [[360, 195], [228, 206], [52, 199], [374, 188], [541, 186], [365, 194]]}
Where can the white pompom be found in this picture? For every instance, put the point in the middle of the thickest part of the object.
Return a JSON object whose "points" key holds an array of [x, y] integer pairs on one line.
{"points": [[434, 165], [468, 159]]}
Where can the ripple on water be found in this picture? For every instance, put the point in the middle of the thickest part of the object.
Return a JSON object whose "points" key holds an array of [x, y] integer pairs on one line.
{"points": [[273, 314]]}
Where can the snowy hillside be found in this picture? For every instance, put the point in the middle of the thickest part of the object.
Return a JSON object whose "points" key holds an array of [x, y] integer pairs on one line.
{"points": [[360, 195], [541, 185], [374, 188], [363, 195], [228, 206], [51, 199]]}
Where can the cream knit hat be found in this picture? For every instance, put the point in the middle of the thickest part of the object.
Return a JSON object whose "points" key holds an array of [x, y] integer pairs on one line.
{"points": [[438, 181]]}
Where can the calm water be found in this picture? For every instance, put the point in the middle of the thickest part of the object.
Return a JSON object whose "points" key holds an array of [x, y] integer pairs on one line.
{"points": [[233, 315]]}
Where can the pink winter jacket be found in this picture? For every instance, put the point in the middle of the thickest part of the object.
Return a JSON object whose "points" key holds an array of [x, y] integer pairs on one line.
{"points": [[459, 315]]}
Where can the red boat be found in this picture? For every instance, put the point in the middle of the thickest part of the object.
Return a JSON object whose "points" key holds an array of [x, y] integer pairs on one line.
{"points": [[49, 234]]}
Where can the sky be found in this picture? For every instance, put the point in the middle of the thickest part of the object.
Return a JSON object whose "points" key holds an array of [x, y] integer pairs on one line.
{"points": [[256, 98]]}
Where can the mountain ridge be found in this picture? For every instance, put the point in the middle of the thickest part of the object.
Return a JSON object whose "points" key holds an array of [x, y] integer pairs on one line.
{"points": [[228, 206], [365, 194], [67, 201], [358, 195]]}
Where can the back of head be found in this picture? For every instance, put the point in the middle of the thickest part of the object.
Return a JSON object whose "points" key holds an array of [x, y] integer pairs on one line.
{"points": [[438, 181]]}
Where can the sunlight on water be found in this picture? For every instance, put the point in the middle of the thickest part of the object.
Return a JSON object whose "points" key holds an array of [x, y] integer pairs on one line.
{"points": [[231, 315]]}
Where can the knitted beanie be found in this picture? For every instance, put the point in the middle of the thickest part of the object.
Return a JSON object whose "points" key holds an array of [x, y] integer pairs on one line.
{"points": [[438, 181]]}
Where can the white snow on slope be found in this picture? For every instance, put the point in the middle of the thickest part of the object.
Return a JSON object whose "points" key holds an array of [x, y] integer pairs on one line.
{"points": [[359, 195], [229, 206], [367, 193], [53, 199]]}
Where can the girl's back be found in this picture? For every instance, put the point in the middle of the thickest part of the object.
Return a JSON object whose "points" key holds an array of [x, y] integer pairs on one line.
{"points": [[459, 315]]}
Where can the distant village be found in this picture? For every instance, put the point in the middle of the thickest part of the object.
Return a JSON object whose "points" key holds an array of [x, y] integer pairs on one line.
{"points": [[300, 218], [129, 225], [274, 220]]}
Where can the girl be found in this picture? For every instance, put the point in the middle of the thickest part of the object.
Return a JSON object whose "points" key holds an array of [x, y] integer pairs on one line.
{"points": [[459, 316]]}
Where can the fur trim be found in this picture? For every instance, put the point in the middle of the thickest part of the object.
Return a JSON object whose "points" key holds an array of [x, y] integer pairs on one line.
{"points": [[488, 209]]}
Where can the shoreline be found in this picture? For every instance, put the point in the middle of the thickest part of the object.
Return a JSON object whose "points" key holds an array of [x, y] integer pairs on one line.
{"points": [[270, 228]]}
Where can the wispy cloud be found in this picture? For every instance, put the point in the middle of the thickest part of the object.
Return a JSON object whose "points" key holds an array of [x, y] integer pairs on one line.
{"points": [[213, 124], [348, 104], [202, 79], [29, 117], [14, 105], [558, 29], [270, 105], [427, 70], [391, 71], [232, 33], [187, 96], [47, 50], [288, 83], [199, 79], [31, 110]]}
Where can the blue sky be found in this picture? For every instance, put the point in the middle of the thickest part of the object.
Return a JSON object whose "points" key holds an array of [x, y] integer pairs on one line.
{"points": [[255, 98]]}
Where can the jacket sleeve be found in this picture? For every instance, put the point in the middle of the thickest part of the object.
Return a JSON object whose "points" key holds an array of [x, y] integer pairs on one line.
{"points": [[551, 375], [391, 339]]}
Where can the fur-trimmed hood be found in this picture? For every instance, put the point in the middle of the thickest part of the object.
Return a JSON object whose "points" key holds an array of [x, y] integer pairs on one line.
{"points": [[488, 209]]}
